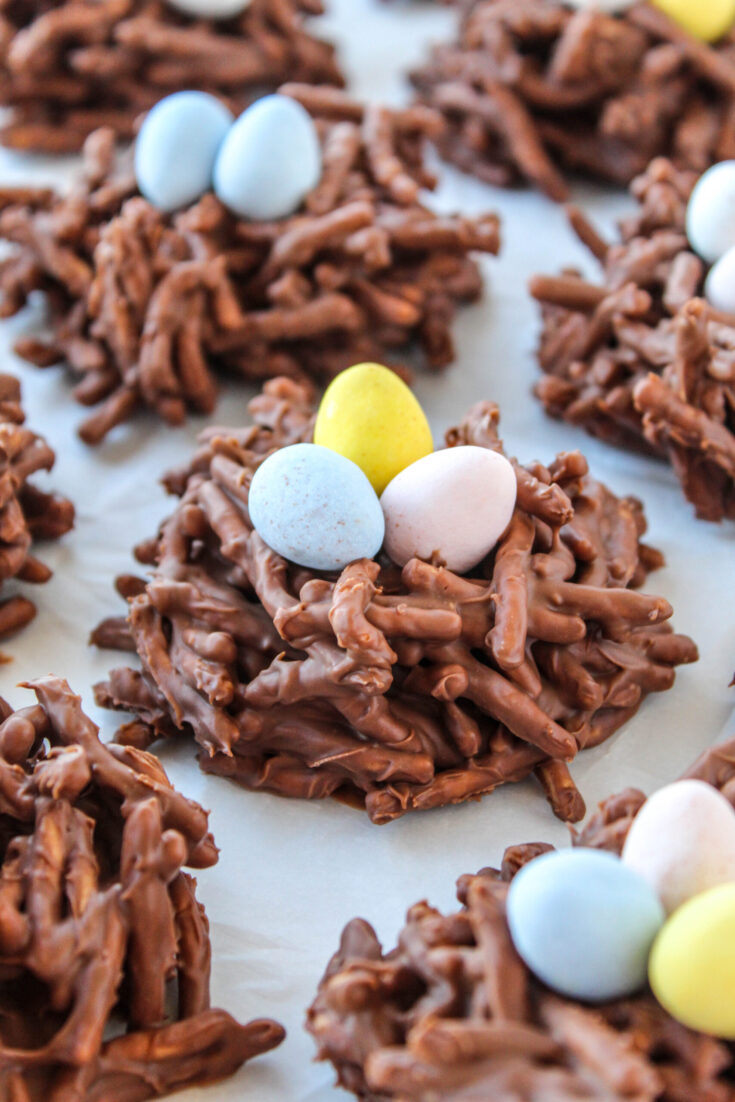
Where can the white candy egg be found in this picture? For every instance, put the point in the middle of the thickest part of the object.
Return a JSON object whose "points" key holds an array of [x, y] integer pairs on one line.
{"points": [[211, 9], [682, 842], [315, 507], [270, 160], [455, 503], [719, 288], [177, 147], [610, 7], [710, 220]]}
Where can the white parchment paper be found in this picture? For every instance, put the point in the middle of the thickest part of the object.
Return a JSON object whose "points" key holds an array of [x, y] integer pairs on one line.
{"points": [[292, 873]]}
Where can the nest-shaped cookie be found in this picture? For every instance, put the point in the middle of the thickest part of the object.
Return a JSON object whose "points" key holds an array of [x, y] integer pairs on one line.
{"points": [[104, 949], [396, 690], [453, 1015], [27, 514], [147, 308], [532, 89], [639, 360], [68, 67]]}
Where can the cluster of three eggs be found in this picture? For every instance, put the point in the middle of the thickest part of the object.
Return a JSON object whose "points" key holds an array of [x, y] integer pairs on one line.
{"points": [[372, 479]]}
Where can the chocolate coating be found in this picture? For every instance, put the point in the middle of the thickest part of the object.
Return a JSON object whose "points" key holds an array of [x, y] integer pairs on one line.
{"points": [[68, 67], [104, 949], [453, 1015], [640, 360], [532, 90], [395, 689], [147, 309]]}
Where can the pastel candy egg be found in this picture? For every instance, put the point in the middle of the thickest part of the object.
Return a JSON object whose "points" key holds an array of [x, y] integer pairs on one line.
{"points": [[315, 508], [584, 923], [211, 9], [370, 415], [682, 842], [177, 146], [710, 221], [705, 19], [270, 160], [692, 965], [610, 7], [719, 288], [454, 504]]}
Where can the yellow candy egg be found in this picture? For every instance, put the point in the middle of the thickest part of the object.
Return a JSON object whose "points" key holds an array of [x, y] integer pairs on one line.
{"points": [[692, 964], [370, 416], [705, 19]]}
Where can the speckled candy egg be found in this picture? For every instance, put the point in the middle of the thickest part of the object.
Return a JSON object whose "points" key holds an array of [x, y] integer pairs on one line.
{"points": [[177, 147], [315, 508], [211, 9], [270, 160], [710, 221], [719, 288], [454, 504], [709, 20], [682, 842], [370, 415], [584, 923], [692, 965]]}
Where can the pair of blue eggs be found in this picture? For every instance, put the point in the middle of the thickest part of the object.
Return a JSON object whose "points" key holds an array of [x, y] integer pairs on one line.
{"points": [[261, 166]]}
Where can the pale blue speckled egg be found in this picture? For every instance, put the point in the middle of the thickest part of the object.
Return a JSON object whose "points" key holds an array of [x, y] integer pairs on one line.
{"points": [[584, 923], [270, 160], [177, 147], [316, 508]]}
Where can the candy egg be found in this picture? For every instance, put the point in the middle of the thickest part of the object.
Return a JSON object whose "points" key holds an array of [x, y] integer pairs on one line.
{"points": [[315, 508], [719, 287], [584, 923], [370, 415], [710, 220], [177, 147], [454, 504], [211, 9], [692, 965], [611, 7], [270, 160], [682, 842], [705, 19]]}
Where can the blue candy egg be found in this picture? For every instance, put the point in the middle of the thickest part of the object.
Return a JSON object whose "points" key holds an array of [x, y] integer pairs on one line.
{"points": [[316, 508], [270, 160], [177, 147], [584, 923]]}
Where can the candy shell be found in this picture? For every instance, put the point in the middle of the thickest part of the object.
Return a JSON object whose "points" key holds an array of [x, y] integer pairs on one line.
{"points": [[211, 9], [708, 20], [270, 160], [315, 508], [719, 288], [610, 7], [584, 923], [454, 504], [682, 842], [692, 965], [370, 415], [710, 221], [177, 146]]}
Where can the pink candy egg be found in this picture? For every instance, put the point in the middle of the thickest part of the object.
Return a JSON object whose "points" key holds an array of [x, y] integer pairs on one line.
{"points": [[453, 504], [683, 842]]}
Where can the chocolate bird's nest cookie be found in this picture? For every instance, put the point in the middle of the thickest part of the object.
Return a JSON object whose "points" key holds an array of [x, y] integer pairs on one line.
{"points": [[638, 360], [68, 67], [532, 89], [147, 308], [104, 949], [27, 514], [394, 689], [453, 1013]]}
